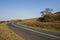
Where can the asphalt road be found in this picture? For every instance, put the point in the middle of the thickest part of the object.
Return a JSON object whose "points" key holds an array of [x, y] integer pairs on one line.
{"points": [[33, 34]]}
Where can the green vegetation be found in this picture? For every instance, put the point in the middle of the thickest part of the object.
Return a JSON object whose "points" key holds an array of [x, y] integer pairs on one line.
{"points": [[50, 18], [7, 34]]}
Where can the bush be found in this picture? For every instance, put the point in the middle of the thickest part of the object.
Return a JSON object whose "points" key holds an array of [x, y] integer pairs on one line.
{"points": [[46, 18], [49, 18], [41, 19]]}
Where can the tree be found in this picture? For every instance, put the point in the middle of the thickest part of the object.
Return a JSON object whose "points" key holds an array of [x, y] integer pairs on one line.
{"points": [[47, 11], [42, 12], [46, 15]]}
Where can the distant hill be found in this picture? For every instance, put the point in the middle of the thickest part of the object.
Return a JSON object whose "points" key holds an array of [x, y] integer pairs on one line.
{"points": [[30, 20], [56, 14]]}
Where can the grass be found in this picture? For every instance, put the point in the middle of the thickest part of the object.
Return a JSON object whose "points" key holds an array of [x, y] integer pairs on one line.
{"points": [[7, 34], [40, 27]]}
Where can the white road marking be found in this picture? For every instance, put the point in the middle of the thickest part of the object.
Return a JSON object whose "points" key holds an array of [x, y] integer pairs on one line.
{"points": [[40, 32]]}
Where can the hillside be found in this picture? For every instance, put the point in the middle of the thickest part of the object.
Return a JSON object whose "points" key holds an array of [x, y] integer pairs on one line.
{"points": [[57, 13], [50, 25]]}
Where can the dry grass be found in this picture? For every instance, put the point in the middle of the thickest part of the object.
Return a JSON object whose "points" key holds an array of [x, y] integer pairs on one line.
{"points": [[49, 26], [7, 34]]}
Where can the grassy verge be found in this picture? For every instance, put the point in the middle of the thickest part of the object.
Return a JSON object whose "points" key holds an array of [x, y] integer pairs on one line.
{"points": [[7, 34], [39, 28]]}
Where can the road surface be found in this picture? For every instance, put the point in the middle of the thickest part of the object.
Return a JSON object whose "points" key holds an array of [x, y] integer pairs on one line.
{"points": [[33, 34]]}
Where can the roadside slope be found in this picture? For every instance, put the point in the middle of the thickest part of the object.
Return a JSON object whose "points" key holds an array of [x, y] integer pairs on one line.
{"points": [[33, 23], [7, 34]]}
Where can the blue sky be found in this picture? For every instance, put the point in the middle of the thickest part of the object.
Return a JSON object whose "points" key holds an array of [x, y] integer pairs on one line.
{"points": [[24, 9]]}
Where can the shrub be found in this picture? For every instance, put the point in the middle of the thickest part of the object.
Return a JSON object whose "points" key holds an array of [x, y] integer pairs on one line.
{"points": [[49, 18]]}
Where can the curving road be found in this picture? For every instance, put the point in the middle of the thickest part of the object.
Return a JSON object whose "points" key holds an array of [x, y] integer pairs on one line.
{"points": [[33, 34]]}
